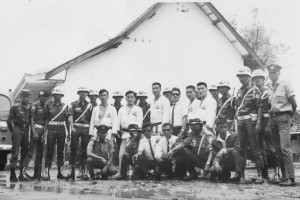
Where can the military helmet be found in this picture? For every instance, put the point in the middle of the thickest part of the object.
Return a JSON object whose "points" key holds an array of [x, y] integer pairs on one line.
{"points": [[258, 73], [58, 90], [118, 94], [82, 89], [168, 89], [142, 94], [212, 87], [274, 68], [25, 92], [93, 93], [244, 71], [224, 84]]}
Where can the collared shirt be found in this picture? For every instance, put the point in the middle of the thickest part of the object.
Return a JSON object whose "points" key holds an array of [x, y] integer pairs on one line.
{"points": [[264, 100], [279, 98], [160, 110], [164, 146], [251, 101], [106, 117], [145, 107], [226, 137], [39, 113], [20, 114], [193, 109], [228, 109], [208, 110], [144, 146], [103, 149], [180, 110], [77, 108], [132, 147], [200, 144], [53, 109], [126, 117]]}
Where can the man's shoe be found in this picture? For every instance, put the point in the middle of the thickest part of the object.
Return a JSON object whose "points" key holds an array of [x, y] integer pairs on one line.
{"points": [[97, 176], [121, 177], [85, 177], [13, 177], [21, 176], [80, 175], [242, 180], [190, 177], [92, 177], [236, 178], [60, 176], [288, 182]]}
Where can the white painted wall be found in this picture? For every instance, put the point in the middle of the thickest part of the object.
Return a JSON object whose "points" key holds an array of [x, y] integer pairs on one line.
{"points": [[179, 49]]}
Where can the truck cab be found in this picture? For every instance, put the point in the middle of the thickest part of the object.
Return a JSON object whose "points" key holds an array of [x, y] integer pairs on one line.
{"points": [[6, 101]]}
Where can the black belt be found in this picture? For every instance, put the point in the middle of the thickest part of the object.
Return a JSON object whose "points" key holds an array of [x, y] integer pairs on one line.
{"points": [[281, 113], [22, 125]]}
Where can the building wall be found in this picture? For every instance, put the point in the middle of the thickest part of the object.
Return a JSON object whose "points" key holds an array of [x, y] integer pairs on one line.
{"points": [[173, 47]]}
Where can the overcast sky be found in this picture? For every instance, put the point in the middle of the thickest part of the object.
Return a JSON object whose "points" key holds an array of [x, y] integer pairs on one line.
{"points": [[37, 35]]}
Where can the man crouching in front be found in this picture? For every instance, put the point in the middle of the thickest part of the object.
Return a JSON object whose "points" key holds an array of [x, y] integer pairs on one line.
{"points": [[100, 154]]}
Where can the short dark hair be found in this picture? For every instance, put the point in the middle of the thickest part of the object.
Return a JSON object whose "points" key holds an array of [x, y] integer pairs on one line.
{"points": [[156, 83], [221, 121], [176, 89], [146, 125], [130, 92], [202, 83], [191, 87], [102, 91], [167, 124]]}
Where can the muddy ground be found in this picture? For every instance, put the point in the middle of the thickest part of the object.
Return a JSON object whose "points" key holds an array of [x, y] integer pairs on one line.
{"points": [[112, 189]]}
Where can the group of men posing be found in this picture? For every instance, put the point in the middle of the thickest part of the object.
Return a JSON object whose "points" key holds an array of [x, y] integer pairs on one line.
{"points": [[167, 137]]}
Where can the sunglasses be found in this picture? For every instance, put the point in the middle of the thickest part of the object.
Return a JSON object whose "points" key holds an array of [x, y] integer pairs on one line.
{"points": [[165, 130], [175, 94]]}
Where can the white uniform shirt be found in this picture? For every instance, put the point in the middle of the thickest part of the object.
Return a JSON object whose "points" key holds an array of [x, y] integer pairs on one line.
{"points": [[135, 116], [144, 146], [180, 111], [109, 118], [193, 109], [160, 110], [162, 146], [208, 110]]}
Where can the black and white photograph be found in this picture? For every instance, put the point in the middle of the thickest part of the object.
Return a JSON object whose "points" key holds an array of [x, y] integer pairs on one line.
{"points": [[145, 99]]}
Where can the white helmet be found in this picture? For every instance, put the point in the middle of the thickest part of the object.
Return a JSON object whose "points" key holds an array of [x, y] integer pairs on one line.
{"points": [[142, 94], [118, 94], [82, 89], [212, 87], [58, 90], [224, 84], [168, 89], [258, 73], [93, 93], [244, 71]]}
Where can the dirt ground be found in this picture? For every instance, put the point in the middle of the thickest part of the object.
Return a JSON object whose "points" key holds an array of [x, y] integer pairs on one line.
{"points": [[112, 189]]}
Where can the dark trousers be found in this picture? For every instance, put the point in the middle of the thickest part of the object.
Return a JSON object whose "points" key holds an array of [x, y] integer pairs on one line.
{"points": [[192, 160], [97, 164], [267, 146], [144, 164], [56, 136], [246, 130], [176, 130], [281, 129], [166, 167], [83, 133], [19, 140], [37, 145], [126, 161]]}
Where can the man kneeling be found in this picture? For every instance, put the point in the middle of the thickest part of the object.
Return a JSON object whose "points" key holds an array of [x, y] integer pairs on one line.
{"points": [[226, 155], [100, 154]]}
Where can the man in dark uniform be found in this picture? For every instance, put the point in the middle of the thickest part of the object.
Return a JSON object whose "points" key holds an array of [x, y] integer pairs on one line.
{"points": [[131, 149], [283, 107], [196, 149], [57, 131], [93, 96], [248, 114], [19, 116], [226, 154], [100, 154], [226, 107], [167, 93], [142, 96], [265, 139], [117, 96], [39, 125], [213, 89], [80, 116]]}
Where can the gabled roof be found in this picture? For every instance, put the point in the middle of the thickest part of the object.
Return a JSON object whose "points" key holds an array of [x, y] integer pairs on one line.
{"points": [[250, 58]]}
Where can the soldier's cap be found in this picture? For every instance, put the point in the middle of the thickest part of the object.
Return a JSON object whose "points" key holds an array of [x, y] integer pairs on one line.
{"points": [[274, 68], [25, 92], [213, 87], [102, 128], [134, 127], [44, 93], [168, 89], [195, 121]]}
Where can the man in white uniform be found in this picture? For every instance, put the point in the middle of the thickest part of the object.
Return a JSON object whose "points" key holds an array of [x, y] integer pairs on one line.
{"points": [[194, 103], [160, 108]]}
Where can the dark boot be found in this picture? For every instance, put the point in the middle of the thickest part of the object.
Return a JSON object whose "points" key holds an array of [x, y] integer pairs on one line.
{"points": [[22, 176], [80, 175], [13, 177], [72, 175], [59, 174], [35, 173], [46, 177], [259, 179], [84, 174], [190, 177]]}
